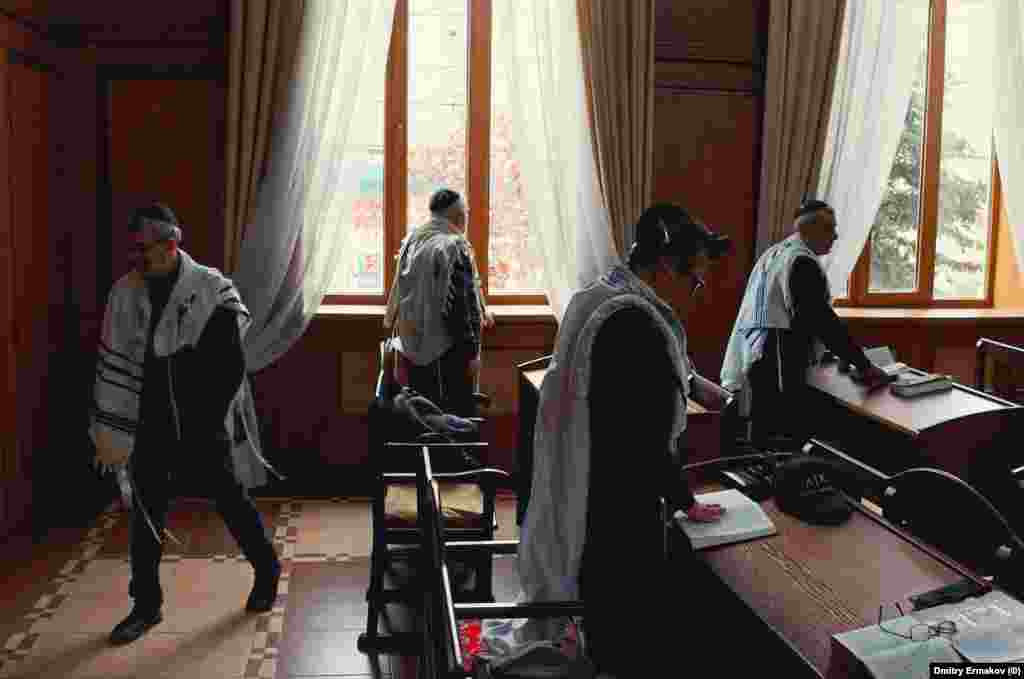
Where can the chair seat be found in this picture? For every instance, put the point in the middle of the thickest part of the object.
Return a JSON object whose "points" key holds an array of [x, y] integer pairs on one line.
{"points": [[462, 505]]}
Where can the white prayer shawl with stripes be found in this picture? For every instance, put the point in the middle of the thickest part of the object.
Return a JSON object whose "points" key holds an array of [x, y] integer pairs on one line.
{"points": [[767, 304], [122, 353], [421, 294]]}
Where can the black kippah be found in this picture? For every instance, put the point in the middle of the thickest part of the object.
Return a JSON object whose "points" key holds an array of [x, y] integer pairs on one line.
{"points": [[811, 205], [443, 199]]}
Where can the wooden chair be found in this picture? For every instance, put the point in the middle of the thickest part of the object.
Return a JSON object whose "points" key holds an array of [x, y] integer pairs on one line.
{"points": [[999, 369], [468, 506], [442, 652], [951, 515], [529, 403]]}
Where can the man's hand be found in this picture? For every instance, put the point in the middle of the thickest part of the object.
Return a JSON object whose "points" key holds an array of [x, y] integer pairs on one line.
{"points": [[488, 320], [704, 513], [473, 369], [874, 377]]}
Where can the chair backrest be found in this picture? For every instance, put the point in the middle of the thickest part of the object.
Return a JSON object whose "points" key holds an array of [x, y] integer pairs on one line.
{"points": [[442, 656], [529, 402], [950, 514], [442, 652], [1000, 369]]}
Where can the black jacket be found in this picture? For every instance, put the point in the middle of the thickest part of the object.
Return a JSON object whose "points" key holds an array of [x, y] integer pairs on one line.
{"points": [[189, 392]]}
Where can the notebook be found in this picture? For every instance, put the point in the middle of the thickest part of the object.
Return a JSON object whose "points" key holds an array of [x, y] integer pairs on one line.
{"points": [[743, 520]]}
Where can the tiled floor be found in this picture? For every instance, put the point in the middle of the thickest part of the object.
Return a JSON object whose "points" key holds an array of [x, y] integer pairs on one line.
{"points": [[58, 603]]}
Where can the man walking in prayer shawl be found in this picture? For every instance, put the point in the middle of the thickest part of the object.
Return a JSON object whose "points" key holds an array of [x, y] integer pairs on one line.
{"points": [[439, 309], [785, 321], [611, 414], [171, 402]]}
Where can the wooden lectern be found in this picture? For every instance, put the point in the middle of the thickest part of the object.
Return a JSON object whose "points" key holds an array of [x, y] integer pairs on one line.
{"points": [[963, 431]]}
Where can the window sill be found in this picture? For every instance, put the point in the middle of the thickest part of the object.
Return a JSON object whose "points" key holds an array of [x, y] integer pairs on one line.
{"points": [[894, 315], [504, 314]]}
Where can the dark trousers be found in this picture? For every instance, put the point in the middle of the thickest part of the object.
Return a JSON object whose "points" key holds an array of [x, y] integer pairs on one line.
{"points": [[447, 382], [780, 410], [154, 480], [639, 605]]}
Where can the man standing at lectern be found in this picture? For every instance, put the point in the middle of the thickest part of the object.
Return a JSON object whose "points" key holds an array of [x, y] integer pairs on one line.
{"points": [[785, 322]]}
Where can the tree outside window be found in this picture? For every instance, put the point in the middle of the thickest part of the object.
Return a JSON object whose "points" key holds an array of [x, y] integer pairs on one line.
{"points": [[929, 244]]}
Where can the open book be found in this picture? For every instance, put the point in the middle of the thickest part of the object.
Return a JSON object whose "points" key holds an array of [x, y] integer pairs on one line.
{"points": [[743, 520]]}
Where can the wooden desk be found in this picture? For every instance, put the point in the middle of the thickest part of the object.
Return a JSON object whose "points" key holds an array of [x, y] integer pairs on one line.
{"points": [[536, 377], [808, 583], [955, 430], [701, 441]]}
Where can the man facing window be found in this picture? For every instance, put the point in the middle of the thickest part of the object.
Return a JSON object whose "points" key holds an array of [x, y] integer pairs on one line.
{"points": [[436, 307]]}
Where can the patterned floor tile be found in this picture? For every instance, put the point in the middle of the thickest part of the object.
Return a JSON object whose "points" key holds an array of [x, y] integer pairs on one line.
{"points": [[332, 530], [80, 593]]}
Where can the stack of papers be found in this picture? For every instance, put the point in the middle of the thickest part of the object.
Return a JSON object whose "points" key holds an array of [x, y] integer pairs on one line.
{"points": [[743, 520], [990, 628], [887, 656]]}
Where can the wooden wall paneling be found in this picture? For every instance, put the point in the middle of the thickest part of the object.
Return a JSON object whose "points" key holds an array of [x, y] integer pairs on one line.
{"points": [[714, 30], [8, 355], [124, 22], [28, 93], [164, 140], [706, 159], [705, 75], [15, 483]]}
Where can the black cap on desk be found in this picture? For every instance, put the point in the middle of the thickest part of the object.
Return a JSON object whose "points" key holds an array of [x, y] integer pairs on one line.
{"points": [[808, 488]]}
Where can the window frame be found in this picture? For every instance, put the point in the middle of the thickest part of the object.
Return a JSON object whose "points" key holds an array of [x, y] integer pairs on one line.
{"points": [[858, 294], [478, 152]]}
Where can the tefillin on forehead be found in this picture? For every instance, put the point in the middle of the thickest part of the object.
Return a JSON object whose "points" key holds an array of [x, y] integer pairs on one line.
{"points": [[154, 230]]}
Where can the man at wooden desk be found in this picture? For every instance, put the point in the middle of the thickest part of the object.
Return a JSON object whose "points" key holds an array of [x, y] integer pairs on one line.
{"points": [[612, 404], [784, 323]]}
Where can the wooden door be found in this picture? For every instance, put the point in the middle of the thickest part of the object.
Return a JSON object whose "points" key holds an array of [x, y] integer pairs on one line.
{"points": [[27, 93], [165, 142]]}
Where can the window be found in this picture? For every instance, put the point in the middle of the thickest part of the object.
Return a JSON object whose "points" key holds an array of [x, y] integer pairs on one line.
{"points": [[930, 244], [440, 117]]}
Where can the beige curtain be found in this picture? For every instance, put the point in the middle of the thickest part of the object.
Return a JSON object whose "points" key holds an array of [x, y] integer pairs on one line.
{"points": [[263, 42], [617, 44], [803, 46]]}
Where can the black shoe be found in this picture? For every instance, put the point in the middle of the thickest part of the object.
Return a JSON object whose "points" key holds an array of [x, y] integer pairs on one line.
{"points": [[264, 590], [135, 625]]}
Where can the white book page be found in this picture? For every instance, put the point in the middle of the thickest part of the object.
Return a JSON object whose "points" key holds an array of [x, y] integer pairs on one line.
{"points": [[743, 519]]}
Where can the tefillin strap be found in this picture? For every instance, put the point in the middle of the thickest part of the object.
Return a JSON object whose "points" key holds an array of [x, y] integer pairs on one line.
{"points": [[154, 230], [664, 230]]}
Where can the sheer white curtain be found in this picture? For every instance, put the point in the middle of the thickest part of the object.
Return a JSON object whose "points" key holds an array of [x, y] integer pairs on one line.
{"points": [[870, 96], [1008, 81], [293, 243], [537, 42]]}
